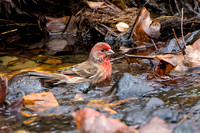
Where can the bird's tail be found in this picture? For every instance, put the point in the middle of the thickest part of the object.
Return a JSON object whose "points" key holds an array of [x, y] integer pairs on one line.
{"points": [[53, 76]]}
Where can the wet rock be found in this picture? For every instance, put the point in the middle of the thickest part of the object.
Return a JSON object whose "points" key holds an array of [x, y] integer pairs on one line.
{"points": [[27, 85], [185, 127], [189, 40], [11, 97], [167, 114], [21, 85], [142, 115], [137, 117], [131, 86], [82, 87], [57, 110], [57, 91], [154, 102]]}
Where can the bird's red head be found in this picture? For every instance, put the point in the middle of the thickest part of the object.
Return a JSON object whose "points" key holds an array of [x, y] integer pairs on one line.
{"points": [[100, 51]]}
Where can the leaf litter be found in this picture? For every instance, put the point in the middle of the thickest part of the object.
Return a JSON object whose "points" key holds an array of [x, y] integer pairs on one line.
{"points": [[146, 35]]}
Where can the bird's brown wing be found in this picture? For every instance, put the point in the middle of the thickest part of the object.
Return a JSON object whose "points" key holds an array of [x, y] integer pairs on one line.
{"points": [[84, 69]]}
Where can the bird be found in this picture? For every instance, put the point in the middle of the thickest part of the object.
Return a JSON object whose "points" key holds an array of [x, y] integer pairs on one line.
{"points": [[97, 68]]}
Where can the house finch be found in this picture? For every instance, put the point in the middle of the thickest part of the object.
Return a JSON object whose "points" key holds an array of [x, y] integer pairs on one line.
{"points": [[96, 69]]}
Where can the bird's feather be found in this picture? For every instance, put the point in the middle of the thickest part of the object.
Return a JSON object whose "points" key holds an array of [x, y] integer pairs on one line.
{"points": [[89, 70]]}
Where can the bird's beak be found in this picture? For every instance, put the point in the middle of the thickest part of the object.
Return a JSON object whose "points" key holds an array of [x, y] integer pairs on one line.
{"points": [[109, 52]]}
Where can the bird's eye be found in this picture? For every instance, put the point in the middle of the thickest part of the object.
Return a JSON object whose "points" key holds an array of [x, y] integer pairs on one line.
{"points": [[102, 50]]}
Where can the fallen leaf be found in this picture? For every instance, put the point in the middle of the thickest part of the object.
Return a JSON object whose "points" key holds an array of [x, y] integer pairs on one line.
{"points": [[53, 61], [25, 114], [6, 59], [175, 60], [91, 121], [23, 65], [3, 89], [6, 129], [22, 60], [122, 27], [144, 29], [111, 111], [40, 102], [164, 68], [103, 104], [56, 25], [79, 97], [30, 120], [192, 54], [16, 106], [95, 5], [156, 125]]}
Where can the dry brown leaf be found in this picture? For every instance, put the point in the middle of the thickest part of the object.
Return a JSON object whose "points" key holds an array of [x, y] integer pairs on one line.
{"points": [[122, 27], [111, 111], [95, 5], [79, 97], [56, 25], [175, 60], [40, 102], [53, 61], [25, 114], [156, 125], [192, 54], [164, 68], [144, 30], [102, 103], [91, 121], [3, 89]]}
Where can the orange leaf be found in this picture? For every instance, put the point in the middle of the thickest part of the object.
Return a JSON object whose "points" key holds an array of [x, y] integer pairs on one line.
{"points": [[144, 30], [111, 111], [164, 68], [156, 125], [25, 114], [89, 120], [53, 61], [40, 101]]}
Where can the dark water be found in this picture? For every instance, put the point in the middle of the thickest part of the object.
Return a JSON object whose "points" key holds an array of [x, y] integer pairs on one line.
{"points": [[181, 93]]}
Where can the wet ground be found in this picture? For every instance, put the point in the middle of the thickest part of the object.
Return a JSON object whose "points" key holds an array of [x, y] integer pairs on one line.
{"points": [[170, 99]]}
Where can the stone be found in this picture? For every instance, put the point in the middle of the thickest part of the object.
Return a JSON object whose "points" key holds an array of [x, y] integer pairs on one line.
{"points": [[131, 86]]}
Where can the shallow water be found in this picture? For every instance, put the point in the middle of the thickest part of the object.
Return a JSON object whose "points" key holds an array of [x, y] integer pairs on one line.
{"points": [[181, 93]]}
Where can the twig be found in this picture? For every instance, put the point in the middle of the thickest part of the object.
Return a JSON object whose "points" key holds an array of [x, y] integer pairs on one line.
{"points": [[118, 58], [67, 24], [6, 32], [192, 25], [140, 56], [112, 6], [104, 32], [181, 121], [79, 11], [182, 28], [177, 39], [177, 7], [154, 45]]}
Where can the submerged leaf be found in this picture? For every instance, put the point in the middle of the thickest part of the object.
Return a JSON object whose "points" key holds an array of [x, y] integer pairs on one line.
{"points": [[40, 102], [91, 121], [104, 104], [156, 125], [16, 106], [53, 61]]}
